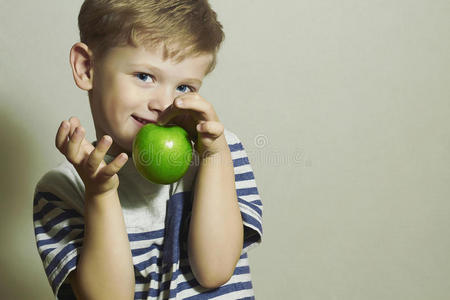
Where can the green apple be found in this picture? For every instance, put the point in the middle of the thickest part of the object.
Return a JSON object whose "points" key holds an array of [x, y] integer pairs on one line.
{"points": [[162, 153]]}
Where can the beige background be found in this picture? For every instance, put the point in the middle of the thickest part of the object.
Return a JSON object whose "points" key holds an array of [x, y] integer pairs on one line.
{"points": [[343, 107]]}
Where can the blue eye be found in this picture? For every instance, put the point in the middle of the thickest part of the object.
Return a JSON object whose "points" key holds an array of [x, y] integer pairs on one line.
{"points": [[144, 77], [185, 88]]}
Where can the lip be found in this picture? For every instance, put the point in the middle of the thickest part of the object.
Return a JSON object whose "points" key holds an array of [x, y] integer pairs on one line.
{"points": [[142, 121]]}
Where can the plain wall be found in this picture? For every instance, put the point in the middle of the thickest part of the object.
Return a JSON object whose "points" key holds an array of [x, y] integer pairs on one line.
{"points": [[343, 107]]}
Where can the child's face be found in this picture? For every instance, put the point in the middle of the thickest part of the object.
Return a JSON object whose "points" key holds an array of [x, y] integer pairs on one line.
{"points": [[135, 82]]}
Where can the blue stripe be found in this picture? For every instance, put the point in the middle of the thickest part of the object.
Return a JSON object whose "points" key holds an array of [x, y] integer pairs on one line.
{"points": [[60, 218], [142, 236], [235, 147], [158, 276], [257, 202], [60, 256], [183, 286], [64, 271], [46, 195], [250, 220], [151, 292], [251, 206], [244, 176], [140, 251], [60, 235], [247, 298], [247, 191], [251, 239], [240, 161], [44, 253], [49, 206], [146, 263], [39, 229], [44, 210], [242, 270], [36, 198], [140, 295], [139, 279], [81, 235], [225, 289]]}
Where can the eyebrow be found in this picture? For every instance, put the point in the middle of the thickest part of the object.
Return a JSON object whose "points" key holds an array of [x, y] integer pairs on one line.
{"points": [[150, 67]]}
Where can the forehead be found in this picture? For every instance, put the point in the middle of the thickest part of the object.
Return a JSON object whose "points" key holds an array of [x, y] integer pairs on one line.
{"points": [[128, 56]]}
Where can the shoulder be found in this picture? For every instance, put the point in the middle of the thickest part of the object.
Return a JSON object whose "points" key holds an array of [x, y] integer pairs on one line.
{"points": [[62, 182], [63, 175], [231, 137]]}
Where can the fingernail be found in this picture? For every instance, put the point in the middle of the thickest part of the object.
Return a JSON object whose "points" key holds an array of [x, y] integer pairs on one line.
{"points": [[179, 102]]}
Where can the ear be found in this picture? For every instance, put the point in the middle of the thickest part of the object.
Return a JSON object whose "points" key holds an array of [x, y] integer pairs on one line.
{"points": [[81, 61]]}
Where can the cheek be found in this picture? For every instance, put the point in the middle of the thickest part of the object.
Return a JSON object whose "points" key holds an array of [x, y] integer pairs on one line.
{"points": [[125, 99], [120, 93]]}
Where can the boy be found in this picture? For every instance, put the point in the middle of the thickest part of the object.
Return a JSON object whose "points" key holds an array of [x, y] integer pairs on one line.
{"points": [[144, 61]]}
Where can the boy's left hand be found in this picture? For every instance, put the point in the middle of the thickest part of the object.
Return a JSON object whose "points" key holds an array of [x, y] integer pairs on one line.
{"points": [[198, 117]]}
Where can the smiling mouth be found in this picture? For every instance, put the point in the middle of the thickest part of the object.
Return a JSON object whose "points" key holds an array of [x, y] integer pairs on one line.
{"points": [[142, 121]]}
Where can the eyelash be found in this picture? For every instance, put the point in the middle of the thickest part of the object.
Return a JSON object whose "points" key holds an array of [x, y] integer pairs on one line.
{"points": [[138, 75]]}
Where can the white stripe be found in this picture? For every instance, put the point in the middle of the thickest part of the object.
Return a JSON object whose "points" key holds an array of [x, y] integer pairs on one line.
{"points": [[59, 204], [40, 203], [231, 137], [61, 263], [245, 184], [70, 238], [49, 215], [55, 229], [250, 211], [236, 295], [146, 243], [242, 169], [252, 197], [238, 154], [198, 290]]}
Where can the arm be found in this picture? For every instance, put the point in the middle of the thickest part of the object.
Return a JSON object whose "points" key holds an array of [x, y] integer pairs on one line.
{"points": [[215, 236], [105, 267], [216, 230]]}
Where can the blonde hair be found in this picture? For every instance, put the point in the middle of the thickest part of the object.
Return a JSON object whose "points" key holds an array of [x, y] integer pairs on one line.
{"points": [[183, 27]]}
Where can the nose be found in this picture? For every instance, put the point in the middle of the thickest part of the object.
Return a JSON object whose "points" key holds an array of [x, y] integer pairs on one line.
{"points": [[161, 98]]}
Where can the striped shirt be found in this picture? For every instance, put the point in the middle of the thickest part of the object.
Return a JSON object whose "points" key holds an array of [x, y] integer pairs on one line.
{"points": [[156, 218]]}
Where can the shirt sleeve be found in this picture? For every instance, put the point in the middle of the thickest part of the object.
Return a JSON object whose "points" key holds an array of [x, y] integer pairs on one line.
{"points": [[247, 192], [58, 223]]}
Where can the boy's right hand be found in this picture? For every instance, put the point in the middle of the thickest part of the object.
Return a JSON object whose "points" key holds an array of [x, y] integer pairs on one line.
{"points": [[99, 178]]}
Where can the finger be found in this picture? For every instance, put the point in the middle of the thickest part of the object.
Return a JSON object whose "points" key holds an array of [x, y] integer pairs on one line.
{"points": [[74, 123], [113, 167], [61, 136], [189, 103], [195, 102], [73, 147], [212, 128], [98, 154], [173, 115]]}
